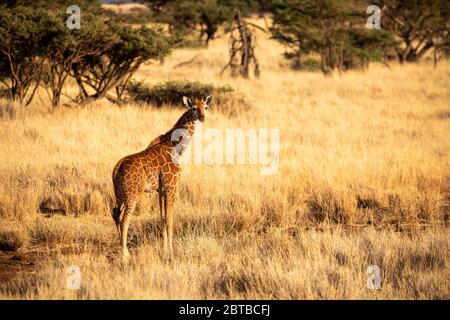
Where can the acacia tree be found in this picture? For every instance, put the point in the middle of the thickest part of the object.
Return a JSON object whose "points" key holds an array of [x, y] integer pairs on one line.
{"points": [[421, 25], [116, 62], [203, 16], [36, 48], [68, 47], [185, 17], [23, 37], [333, 29]]}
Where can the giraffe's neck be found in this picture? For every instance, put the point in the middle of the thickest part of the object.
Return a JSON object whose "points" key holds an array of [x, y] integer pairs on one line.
{"points": [[182, 132]]}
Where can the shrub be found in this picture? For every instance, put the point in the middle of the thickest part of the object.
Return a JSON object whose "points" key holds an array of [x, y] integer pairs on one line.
{"points": [[327, 204], [307, 64], [12, 238], [172, 92]]}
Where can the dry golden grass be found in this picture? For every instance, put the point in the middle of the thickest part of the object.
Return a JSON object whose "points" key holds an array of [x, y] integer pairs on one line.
{"points": [[364, 180]]}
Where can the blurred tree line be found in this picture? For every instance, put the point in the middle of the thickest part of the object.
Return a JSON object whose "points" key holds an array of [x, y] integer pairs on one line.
{"points": [[336, 31], [201, 16], [420, 25], [333, 30], [38, 50]]}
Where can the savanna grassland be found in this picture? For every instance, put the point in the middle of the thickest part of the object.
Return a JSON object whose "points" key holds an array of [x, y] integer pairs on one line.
{"points": [[363, 179]]}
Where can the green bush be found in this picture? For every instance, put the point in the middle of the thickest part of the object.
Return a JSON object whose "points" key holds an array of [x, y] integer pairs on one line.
{"points": [[171, 93], [305, 64]]}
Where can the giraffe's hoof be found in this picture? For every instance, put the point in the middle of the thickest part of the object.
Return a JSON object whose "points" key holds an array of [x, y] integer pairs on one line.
{"points": [[168, 255], [125, 257]]}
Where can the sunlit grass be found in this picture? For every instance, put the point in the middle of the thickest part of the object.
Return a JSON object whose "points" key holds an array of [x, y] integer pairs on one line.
{"points": [[364, 167]]}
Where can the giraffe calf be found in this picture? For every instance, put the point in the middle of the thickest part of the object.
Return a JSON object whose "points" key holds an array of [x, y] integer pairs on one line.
{"points": [[155, 169]]}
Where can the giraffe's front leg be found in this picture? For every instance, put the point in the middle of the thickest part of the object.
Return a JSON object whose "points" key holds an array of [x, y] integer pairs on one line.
{"points": [[162, 198], [123, 240], [169, 212]]}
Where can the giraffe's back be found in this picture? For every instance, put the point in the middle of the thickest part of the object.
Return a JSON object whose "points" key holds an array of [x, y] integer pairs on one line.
{"points": [[133, 175]]}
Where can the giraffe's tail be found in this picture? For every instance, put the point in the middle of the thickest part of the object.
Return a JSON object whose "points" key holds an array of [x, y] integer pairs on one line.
{"points": [[117, 213]]}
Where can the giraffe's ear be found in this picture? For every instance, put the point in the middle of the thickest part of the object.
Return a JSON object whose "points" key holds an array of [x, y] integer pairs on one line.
{"points": [[187, 102], [208, 101]]}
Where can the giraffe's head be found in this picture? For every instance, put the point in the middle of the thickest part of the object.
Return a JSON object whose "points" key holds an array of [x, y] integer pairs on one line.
{"points": [[198, 108]]}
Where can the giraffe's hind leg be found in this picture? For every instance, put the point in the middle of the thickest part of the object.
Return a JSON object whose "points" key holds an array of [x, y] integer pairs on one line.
{"points": [[117, 215], [123, 227]]}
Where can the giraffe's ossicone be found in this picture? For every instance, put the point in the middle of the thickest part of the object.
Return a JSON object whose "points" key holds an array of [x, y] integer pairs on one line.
{"points": [[155, 169]]}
